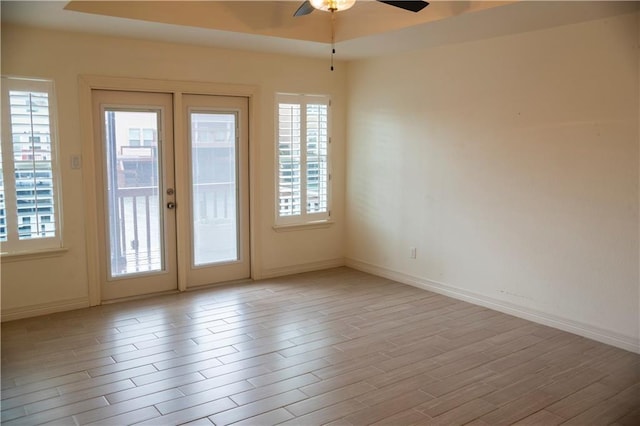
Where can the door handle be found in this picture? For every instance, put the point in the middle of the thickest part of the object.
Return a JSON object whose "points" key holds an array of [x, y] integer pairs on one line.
{"points": [[171, 205]]}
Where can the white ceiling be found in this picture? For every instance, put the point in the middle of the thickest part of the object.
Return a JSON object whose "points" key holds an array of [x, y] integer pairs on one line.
{"points": [[466, 25]]}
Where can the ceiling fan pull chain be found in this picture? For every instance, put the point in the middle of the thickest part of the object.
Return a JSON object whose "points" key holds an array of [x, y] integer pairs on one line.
{"points": [[333, 52], [333, 36]]}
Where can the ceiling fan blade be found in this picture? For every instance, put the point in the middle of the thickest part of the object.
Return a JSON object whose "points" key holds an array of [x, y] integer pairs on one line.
{"points": [[413, 6], [304, 9]]}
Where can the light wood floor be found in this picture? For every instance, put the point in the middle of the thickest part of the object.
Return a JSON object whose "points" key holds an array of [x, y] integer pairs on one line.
{"points": [[338, 347]]}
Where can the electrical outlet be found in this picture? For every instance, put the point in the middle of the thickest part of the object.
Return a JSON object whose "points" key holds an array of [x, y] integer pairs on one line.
{"points": [[412, 252]]}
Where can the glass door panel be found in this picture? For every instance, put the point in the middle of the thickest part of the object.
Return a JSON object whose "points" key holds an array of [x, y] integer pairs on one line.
{"points": [[134, 181], [214, 187]]}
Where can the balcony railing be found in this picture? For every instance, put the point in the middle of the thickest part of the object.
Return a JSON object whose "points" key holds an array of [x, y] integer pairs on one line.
{"points": [[136, 223]]}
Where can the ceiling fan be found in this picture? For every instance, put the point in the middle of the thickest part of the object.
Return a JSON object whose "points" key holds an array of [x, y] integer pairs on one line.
{"points": [[338, 5], [333, 6]]}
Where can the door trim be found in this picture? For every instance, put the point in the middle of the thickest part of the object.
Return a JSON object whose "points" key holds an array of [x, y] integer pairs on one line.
{"points": [[87, 83]]}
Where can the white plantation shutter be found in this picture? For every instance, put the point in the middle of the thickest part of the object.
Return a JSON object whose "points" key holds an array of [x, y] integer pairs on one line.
{"points": [[289, 160], [317, 143], [302, 158], [29, 218]]}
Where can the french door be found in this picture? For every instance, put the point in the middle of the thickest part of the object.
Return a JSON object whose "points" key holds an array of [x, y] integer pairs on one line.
{"points": [[138, 191]]}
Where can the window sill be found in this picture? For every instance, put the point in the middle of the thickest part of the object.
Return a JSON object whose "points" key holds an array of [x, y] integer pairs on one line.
{"points": [[32, 255], [303, 226]]}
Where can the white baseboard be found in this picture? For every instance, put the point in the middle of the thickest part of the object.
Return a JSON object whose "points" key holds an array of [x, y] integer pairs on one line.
{"points": [[586, 330], [298, 269], [44, 309]]}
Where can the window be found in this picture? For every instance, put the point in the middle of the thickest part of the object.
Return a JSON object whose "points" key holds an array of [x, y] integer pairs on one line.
{"points": [[29, 206], [134, 137], [142, 137], [303, 159]]}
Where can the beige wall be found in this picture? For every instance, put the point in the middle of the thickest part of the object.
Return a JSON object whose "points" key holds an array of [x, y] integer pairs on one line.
{"points": [[511, 164], [37, 286]]}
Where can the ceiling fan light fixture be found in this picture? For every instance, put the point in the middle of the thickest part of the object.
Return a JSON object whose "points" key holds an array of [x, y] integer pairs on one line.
{"points": [[332, 5]]}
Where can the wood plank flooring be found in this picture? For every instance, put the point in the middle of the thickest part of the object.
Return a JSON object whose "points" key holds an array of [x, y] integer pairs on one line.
{"points": [[337, 347]]}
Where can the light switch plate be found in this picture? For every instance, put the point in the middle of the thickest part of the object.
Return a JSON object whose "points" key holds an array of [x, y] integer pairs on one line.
{"points": [[76, 162]]}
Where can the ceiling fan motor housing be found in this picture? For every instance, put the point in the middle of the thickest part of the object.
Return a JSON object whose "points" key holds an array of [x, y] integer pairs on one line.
{"points": [[309, 6], [332, 5]]}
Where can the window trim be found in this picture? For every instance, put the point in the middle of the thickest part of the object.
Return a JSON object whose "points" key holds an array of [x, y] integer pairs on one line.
{"points": [[14, 247], [303, 220], [318, 224]]}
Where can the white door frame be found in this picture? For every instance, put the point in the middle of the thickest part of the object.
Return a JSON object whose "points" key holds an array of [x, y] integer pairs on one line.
{"points": [[87, 83]]}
